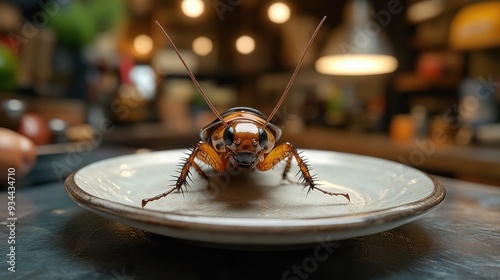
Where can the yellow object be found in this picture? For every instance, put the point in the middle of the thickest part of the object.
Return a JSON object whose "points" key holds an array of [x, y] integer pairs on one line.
{"points": [[476, 27]]}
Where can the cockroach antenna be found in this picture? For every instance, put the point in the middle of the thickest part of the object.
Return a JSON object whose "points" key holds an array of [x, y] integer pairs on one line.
{"points": [[190, 73], [289, 85]]}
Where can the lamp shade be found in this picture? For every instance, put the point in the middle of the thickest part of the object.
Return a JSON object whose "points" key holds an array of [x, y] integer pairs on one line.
{"points": [[358, 47]]}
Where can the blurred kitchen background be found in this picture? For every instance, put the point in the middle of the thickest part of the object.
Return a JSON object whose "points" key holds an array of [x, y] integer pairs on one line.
{"points": [[411, 81]]}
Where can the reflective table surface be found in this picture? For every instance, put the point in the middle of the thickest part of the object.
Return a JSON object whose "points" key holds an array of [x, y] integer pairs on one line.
{"points": [[56, 239]]}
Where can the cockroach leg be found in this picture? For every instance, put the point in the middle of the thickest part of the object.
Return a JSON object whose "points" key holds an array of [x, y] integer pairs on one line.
{"points": [[288, 165], [147, 200], [202, 174], [287, 151], [346, 195], [181, 180], [201, 151]]}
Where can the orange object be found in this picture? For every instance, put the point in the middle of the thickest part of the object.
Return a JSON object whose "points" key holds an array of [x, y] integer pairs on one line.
{"points": [[402, 128], [16, 153], [476, 26]]}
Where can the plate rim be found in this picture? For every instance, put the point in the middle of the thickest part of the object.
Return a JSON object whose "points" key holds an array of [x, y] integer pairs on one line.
{"points": [[230, 225]]}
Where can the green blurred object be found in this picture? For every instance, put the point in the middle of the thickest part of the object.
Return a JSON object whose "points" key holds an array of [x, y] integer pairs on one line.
{"points": [[73, 25], [8, 69], [79, 21]]}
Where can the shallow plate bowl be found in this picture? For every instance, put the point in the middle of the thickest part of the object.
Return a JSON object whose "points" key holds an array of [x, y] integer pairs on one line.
{"points": [[255, 208]]}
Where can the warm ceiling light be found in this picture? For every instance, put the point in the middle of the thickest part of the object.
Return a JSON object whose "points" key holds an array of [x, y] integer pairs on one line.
{"points": [[356, 64], [202, 46], [424, 10], [357, 47], [245, 44], [192, 8], [143, 44], [278, 12]]}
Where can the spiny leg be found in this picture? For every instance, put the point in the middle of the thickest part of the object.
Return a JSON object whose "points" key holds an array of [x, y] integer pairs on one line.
{"points": [[201, 173], [181, 180], [284, 176], [308, 180], [202, 151], [287, 151]]}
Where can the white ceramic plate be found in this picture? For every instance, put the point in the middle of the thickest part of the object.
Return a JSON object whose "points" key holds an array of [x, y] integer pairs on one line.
{"points": [[255, 208]]}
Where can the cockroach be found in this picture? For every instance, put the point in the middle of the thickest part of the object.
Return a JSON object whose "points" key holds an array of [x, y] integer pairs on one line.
{"points": [[243, 138]]}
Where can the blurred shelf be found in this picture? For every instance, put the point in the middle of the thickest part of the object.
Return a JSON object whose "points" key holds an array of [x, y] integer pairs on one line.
{"points": [[411, 82], [72, 111], [417, 42], [155, 136], [466, 162]]}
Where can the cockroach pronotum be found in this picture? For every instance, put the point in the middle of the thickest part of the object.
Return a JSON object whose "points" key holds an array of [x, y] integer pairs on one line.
{"points": [[243, 138]]}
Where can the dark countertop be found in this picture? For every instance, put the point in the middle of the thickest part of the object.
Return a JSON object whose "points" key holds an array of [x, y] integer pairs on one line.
{"points": [[56, 239]]}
